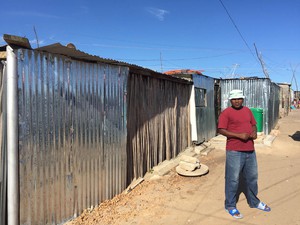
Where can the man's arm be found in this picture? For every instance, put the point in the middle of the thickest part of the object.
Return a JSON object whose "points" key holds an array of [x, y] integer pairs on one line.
{"points": [[229, 134], [254, 132]]}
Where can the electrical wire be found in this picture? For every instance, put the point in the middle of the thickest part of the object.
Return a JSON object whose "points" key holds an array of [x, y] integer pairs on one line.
{"points": [[238, 30], [177, 59]]}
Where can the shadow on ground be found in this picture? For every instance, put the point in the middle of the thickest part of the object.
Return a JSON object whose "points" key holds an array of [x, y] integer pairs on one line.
{"points": [[295, 136]]}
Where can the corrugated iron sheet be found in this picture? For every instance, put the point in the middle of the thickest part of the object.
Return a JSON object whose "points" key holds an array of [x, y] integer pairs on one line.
{"points": [[72, 135], [158, 122], [260, 93], [3, 147], [205, 113]]}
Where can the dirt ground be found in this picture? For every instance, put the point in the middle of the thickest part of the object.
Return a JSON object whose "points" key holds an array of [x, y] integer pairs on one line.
{"points": [[142, 202], [174, 199]]}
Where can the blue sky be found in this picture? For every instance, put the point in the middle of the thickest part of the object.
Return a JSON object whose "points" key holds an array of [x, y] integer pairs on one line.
{"points": [[170, 34]]}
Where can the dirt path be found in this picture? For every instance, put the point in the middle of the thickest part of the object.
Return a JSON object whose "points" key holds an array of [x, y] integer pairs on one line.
{"points": [[179, 200]]}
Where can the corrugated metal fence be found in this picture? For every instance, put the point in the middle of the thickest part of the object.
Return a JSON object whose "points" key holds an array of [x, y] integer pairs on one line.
{"points": [[260, 93], [72, 135], [3, 146], [158, 122], [79, 144]]}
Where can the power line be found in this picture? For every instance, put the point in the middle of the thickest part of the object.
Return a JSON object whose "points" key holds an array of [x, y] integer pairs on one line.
{"points": [[176, 59], [161, 67], [237, 29]]}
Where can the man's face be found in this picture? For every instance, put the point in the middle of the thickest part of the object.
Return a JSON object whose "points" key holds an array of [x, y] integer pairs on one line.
{"points": [[237, 102]]}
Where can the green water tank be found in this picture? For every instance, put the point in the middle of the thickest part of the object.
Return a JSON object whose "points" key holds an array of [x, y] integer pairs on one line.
{"points": [[258, 115]]}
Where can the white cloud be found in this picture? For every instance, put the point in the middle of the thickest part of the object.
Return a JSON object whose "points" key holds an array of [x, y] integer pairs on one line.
{"points": [[84, 9], [34, 42], [35, 14], [158, 13]]}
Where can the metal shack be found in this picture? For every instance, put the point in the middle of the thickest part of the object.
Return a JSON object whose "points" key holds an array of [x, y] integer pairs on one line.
{"points": [[285, 99], [77, 129], [260, 93], [202, 108]]}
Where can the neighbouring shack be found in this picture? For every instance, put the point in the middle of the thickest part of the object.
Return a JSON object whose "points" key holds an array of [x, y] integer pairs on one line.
{"points": [[296, 94], [261, 95], [285, 99], [83, 128], [202, 107]]}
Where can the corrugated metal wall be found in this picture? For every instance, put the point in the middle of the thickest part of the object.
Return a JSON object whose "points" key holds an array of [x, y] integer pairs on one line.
{"points": [[205, 115], [158, 122], [260, 93], [74, 149], [72, 135], [3, 146], [273, 106]]}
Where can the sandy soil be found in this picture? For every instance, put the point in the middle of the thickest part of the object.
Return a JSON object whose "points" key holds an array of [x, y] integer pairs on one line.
{"points": [[141, 203]]}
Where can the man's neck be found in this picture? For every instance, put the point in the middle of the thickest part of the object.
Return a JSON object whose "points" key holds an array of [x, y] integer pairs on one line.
{"points": [[239, 108]]}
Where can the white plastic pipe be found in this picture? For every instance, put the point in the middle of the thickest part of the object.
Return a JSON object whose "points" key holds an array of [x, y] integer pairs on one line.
{"points": [[13, 196], [193, 120]]}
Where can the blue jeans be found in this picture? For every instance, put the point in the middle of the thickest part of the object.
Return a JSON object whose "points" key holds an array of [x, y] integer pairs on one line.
{"points": [[245, 164]]}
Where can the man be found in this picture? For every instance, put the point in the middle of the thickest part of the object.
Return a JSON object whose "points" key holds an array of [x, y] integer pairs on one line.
{"points": [[239, 126]]}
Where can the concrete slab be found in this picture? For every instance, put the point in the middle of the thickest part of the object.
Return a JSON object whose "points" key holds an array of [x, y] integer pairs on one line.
{"points": [[166, 166], [269, 140], [218, 138], [207, 150], [134, 183]]}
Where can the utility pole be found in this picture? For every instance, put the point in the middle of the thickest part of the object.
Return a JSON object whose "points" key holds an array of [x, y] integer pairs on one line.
{"points": [[233, 70], [262, 63], [293, 76], [37, 40]]}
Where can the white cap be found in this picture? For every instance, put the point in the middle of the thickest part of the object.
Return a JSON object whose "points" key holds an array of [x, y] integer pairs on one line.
{"points": [[236, 94]]}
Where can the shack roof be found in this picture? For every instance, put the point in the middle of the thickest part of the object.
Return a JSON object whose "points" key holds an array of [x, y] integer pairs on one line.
{"points": [[73, 53], [285, 84], [184, 71]]}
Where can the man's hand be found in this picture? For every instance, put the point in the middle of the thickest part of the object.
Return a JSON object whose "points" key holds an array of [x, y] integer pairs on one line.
{"points": [[253, 135], [244, 136]]}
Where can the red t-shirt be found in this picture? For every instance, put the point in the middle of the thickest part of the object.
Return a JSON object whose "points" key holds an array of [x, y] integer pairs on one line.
{"points": [[238, 121]]}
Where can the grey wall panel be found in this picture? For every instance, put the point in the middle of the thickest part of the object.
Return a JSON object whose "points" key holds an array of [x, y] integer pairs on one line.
{"points": [[205, 115], [72, 135]]}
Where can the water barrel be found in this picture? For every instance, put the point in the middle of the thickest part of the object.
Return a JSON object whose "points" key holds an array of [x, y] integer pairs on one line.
{"points": [[258, 115]]}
